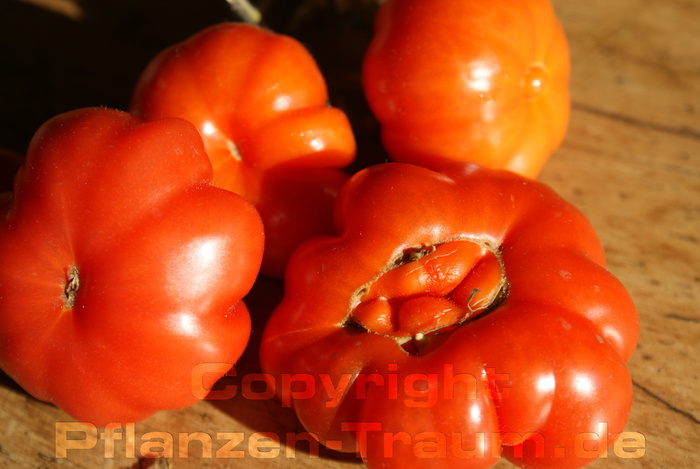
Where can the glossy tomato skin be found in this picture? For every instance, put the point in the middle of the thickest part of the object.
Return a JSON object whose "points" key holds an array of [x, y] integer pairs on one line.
{"points": [[123, 268], [534, 370], [261, 105], [466, 80]]}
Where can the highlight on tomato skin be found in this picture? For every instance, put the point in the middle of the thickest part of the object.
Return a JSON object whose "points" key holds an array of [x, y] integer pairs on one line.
{"points": [[463, 315], [467, 80], [123, 268], [261, 105]]}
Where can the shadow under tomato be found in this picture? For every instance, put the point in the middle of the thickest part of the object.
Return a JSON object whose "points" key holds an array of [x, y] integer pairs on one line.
{"points": [[9, 383]]}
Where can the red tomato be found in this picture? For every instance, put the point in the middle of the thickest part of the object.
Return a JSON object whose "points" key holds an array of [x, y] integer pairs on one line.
{"points": [[456, 315], [261, 105], [468, 80], [123, 268]]}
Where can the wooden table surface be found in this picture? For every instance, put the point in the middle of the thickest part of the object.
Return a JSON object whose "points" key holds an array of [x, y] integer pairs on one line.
{"points": [[630, 162]]}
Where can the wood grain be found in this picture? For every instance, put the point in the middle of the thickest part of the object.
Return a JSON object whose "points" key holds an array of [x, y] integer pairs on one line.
{"points": [[630, 162]]}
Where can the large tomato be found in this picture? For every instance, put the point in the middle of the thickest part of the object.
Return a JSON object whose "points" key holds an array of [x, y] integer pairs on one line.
{"points": [[261, 105], [455, 316], [455, 80], [123, 268]]}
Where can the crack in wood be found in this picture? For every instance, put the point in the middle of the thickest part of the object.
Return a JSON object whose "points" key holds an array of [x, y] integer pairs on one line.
{"points": [[680, 131], [682, 318], [666, 404]]}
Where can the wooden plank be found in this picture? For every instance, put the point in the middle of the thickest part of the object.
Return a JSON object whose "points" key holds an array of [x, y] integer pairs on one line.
{"points": [[630, 162], [637, 59]]}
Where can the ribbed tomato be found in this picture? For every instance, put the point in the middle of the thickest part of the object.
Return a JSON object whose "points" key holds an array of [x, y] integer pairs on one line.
{"points": [[469, 80]]}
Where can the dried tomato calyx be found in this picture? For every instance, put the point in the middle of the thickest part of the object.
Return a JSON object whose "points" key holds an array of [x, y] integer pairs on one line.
{"points": [[429, 290], [71, 288]]}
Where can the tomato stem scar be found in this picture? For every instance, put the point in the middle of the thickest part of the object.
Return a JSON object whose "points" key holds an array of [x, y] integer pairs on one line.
{"points": [[71, 288]]}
